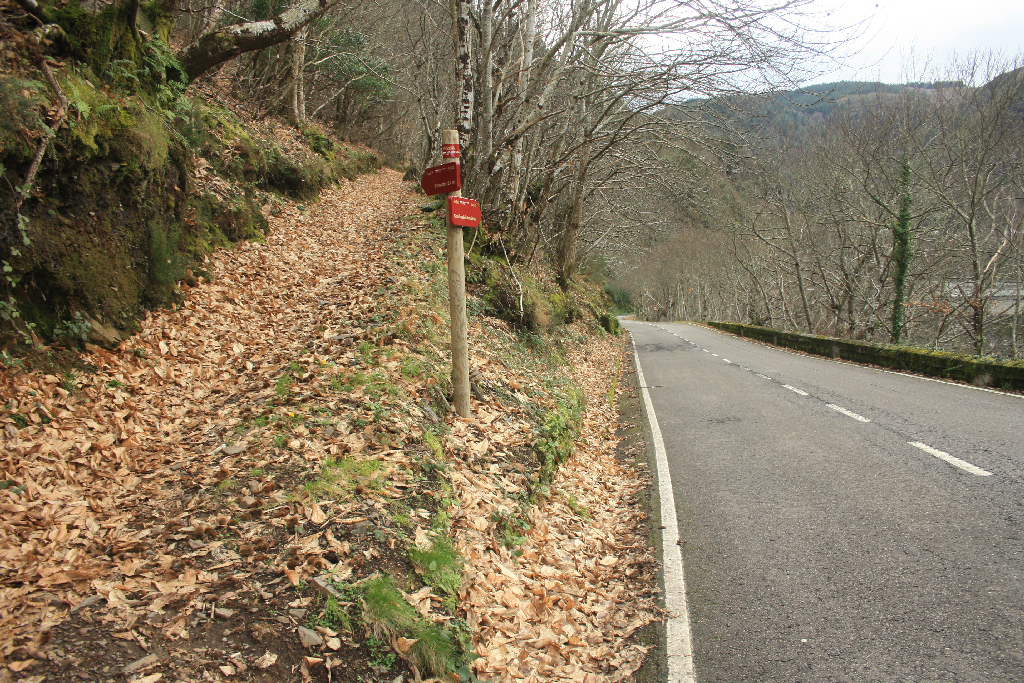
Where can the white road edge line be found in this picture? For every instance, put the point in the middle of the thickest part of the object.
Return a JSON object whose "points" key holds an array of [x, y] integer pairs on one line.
{"points": [[679, 645], [956, 462], [848, 413], [795, 390]]}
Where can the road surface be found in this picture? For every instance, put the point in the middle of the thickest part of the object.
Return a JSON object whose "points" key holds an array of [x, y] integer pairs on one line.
{"points": [[839, 522]]}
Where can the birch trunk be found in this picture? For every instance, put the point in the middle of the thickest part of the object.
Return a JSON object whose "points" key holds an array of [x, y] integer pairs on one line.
{"points": [[464, 54], [298, 104]]}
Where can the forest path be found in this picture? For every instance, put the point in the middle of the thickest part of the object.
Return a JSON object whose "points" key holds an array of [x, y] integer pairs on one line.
{"points": [[177, 499]]}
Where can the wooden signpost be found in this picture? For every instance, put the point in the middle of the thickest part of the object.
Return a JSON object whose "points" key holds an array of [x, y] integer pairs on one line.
{"points": [[462, 212]]}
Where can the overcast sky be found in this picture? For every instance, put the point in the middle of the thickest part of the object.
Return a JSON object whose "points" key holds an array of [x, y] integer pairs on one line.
{"points": [[934, 29]]}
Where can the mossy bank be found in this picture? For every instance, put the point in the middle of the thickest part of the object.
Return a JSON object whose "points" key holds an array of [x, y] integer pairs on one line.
{"points": [[116, 185]]}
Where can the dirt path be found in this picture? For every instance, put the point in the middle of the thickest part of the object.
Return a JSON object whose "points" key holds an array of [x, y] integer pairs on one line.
{"points": [[161, 515]]}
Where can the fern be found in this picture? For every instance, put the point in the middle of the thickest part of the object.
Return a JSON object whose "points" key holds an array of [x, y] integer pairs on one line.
{"points": [[77, 100]]}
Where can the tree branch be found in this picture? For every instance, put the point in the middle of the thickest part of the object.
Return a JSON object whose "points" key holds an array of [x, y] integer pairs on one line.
{"points": [[216, 47]]}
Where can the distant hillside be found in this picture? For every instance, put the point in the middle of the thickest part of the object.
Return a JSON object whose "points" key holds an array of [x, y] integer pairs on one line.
{"points": [[794, 109]]}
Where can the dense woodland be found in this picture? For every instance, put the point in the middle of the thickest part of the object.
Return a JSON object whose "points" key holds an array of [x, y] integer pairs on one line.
{"points": [[662, 145], [559, 106]]}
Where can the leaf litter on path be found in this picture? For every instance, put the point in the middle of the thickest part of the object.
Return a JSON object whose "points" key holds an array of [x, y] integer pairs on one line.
{"points": [[169, 488]]}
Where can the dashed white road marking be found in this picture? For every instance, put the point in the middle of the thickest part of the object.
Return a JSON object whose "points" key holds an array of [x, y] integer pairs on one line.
{"points": [[684, 664], [848, 413], [956, 462]]}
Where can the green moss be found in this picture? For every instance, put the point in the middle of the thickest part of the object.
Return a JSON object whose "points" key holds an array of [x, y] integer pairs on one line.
{"points": [[103, 40], [338, 477], [302, 182], [521, 303], [166, 262], [160, 21], [557, 435], [99, 119], [117, 54], [145, 144], [218, 222], [113, 220], [356, 163], [319, 143], [610, 323]]}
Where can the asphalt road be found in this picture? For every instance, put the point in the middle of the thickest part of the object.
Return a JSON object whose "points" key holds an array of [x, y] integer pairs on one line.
{"points": [[819, 544]]}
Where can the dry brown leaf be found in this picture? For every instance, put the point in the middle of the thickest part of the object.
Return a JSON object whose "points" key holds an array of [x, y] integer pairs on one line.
{"points": [[266, 660], [316, 514], [403, 645], [294, 576]]}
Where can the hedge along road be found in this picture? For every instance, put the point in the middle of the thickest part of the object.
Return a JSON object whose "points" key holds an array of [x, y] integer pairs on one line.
{"points": [[839, 523]]}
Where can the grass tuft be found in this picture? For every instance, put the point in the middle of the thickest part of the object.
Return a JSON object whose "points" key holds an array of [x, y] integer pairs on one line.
{"points": [[339, 476], [440, 564]]}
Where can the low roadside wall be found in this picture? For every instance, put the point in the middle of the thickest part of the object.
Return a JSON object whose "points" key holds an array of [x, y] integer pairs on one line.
{"points": [[999, 374]]}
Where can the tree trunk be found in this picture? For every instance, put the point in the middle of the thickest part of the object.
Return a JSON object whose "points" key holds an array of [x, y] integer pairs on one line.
{"points": [[901, 252], [298, 98], [485, 131], [797, 267], [1016, 315], [464, 54]]}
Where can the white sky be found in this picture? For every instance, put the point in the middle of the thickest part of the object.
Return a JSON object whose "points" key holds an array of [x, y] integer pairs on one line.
{"points": [[923, 32]]}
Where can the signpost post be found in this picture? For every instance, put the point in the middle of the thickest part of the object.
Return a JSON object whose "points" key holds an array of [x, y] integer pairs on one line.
{"points": [[457, 287], [462, 212]]}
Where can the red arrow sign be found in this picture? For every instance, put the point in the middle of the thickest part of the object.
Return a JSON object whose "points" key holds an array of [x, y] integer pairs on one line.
{"points": [[441, 179], [464, 212]]}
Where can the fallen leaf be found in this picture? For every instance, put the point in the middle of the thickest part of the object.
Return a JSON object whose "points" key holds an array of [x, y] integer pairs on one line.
{"points": [[316, 514], [266, 660], [293, 576], [403, 645]]}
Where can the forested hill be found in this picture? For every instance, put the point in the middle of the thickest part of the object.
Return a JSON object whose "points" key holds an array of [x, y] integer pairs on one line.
{"points": [[792, 110]]}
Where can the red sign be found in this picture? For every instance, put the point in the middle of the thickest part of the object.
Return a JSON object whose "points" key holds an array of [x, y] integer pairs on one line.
{"points": [[450, 151], [464, 212], [441, 179]]}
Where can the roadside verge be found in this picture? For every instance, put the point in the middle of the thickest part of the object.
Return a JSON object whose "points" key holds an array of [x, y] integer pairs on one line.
{"points": [[980, 371]]}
